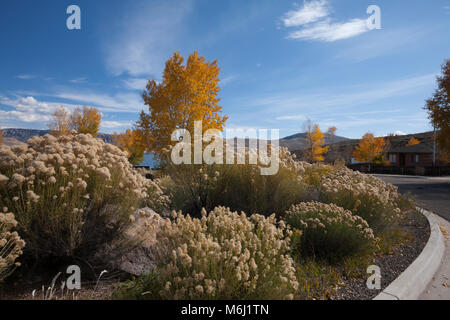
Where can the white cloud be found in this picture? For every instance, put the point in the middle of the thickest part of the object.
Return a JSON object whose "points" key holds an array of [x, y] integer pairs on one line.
{"points": [[399, 133], [328, 31], [310, 12], [147, 38], [115, 124], [27, 109], [136, 83], [315, 23]]}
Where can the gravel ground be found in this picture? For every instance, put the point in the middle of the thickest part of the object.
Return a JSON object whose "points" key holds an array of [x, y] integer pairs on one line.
{"points": [[391, 265]]}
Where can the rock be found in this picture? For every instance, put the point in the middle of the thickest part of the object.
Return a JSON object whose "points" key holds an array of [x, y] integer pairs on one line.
{"points": [[140, 259]]}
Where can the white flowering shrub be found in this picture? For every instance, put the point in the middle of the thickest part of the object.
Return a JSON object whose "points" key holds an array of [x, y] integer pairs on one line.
{"points": [[11, 244], [70, 195], [240, 187], [223, 255], [365, 195], [329, 231]]}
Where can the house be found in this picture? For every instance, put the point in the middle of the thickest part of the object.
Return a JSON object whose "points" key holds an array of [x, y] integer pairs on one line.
{"points": [[419, 155]]}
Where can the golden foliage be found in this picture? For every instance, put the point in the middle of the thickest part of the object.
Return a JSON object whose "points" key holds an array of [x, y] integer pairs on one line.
{"points": [[86, 120], [186, 94], [369, 148], [132, 142], [412, 142], [316, 141], [82, 121], [439, 109], [59, 125]]}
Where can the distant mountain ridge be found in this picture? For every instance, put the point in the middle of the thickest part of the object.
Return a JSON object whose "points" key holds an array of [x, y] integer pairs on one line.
{"points": [[294, 142], [299, 141], [23, 135]]}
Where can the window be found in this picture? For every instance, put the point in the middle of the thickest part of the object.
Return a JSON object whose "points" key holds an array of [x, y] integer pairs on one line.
{"points": [[392, 158], [415, 158]]}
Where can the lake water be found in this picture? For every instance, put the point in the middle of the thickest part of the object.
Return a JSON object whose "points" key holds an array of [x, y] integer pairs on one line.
{"points": [[149, 161]]}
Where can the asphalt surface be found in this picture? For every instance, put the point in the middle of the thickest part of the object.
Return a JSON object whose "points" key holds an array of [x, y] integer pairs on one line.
{"points": [[432, 193]]}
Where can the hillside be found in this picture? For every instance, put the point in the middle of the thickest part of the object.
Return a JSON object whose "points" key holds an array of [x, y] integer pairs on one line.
{"points": [[299, 141], [22, 135]]}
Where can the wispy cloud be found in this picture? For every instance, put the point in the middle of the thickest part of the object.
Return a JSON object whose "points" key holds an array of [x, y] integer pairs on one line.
{"points": [[226, 80], [135, 83], [115, 124], [79, 80], [313, 18], [310, 12], [120, 102], [385, 43], [329, 32], [25, 76], [341, 97], [146, 39]]}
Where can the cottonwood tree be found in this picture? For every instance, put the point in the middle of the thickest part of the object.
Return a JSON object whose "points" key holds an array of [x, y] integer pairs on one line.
{"points": [[369, 148], [86, 120], [59, 124], [315, 140], [438, 107], [187, 93], [132, 142]]}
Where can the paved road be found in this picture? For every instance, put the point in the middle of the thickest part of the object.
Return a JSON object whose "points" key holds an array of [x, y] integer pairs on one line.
{"points": [[433, 193]]}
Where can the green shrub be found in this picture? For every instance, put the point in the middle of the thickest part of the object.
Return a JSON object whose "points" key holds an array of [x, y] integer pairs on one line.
{"points": [[328, 231], [71, 195], [221, 256], [239, 187]]}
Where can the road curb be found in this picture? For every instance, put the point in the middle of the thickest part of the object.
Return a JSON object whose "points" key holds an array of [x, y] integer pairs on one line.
{"points": [[413, 281]]}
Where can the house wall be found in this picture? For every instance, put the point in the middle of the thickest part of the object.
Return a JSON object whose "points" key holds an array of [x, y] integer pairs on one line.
{"points": [[425, 159]]}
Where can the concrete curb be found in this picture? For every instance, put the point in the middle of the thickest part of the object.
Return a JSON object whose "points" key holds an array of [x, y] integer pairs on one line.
{"points": [[414, 280]]}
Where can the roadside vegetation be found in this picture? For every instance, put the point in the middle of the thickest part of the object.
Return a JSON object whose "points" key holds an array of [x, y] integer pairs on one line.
{"points": [[204, 231]]}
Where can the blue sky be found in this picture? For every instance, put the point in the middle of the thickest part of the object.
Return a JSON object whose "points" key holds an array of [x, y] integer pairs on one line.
{"points": [[281, 62]]}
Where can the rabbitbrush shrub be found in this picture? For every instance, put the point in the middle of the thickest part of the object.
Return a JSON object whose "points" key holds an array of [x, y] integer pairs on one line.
{"points": [[70, 195], [10, 243], [240, 187], [223, 255], [328, 231], [365, 195]]}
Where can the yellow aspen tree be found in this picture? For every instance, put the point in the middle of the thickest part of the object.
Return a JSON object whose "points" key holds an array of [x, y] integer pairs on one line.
{"points": [[1, 137], [59, 124], [316, 140], [369, 148], [132, 142], [187, 93], [86, 121], [412, 142]]}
